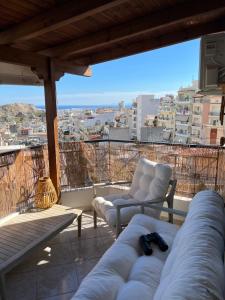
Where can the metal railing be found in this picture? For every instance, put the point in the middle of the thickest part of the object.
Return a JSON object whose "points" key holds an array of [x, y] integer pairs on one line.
{"points": [[195, 167]]}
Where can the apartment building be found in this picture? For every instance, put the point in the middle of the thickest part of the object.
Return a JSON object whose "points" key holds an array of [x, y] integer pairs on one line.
{"points": [[183, 120], [166, 117], [132, 121], [206, 127], [197, 119]]}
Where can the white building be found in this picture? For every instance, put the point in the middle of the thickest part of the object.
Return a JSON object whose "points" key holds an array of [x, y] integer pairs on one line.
{"points": [[121, 106], [166, 118], [132, 121], [183, 121], [146, 108]]}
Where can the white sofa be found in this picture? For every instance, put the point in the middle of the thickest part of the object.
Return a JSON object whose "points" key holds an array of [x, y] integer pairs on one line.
{"points": [[191, 269], [150, 182]]}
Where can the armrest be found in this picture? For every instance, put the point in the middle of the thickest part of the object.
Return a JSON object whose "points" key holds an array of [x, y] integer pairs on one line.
{"points": [[139, 203], [105, 184], [169, 210]]}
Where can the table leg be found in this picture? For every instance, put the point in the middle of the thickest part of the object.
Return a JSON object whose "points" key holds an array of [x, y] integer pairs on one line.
{"points": [[2, 287], [79, 220]]}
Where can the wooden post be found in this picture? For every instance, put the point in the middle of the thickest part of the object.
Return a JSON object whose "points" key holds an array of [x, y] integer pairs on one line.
{"points": [[52, 127]]}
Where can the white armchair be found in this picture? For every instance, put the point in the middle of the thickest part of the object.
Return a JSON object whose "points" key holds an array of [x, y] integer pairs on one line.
{"points": [[150, 183]]}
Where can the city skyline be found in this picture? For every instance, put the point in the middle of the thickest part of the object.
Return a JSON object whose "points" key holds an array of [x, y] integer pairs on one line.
{"points": [[156, 72]]}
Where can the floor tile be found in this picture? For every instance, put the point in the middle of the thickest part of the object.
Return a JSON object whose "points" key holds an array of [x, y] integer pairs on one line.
{"points": [[28, 264], [52, 281], [66, 296], [105, 243], [54, 254], [84, 267], [55, 270], [86, 249], [21, 286], [65, 236], [90, 232]]}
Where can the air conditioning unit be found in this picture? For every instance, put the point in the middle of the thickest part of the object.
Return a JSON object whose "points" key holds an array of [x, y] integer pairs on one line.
{"points": [[212, 64]]}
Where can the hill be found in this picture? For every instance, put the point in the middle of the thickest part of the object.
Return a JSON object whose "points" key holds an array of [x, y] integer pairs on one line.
{"points": [[15, 108]]}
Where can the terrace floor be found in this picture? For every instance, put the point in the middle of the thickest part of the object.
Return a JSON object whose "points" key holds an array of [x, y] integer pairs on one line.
{"points": [[55, 271]]}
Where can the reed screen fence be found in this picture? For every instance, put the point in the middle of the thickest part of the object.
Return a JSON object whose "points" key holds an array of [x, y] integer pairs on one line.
{"points": [[84, 163]]}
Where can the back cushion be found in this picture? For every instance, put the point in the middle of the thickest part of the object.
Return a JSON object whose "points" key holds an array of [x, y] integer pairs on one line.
{"points": [[150, 181], [194, 268]]}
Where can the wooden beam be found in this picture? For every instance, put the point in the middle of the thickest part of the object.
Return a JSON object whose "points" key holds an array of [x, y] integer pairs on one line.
{"points": [[38, 63], [56, 17], [52, 127], [149, 23], [152, 43], [67, 67]]}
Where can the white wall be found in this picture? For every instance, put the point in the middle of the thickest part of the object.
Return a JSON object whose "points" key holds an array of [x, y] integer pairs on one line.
{"points": [[146, 105], [119, 133]]}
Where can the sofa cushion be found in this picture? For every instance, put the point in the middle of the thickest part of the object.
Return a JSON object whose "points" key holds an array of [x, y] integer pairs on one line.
{"points": [[150, 181], [122, 272], [194, 267]]}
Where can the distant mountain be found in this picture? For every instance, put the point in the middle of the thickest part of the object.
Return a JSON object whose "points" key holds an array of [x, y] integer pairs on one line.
{"points": [[19, 109]]}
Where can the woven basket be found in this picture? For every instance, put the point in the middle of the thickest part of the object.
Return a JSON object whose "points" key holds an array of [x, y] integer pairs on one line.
{"points": [[46, 194]]}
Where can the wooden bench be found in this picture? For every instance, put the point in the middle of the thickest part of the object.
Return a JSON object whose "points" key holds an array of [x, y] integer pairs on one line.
{"points": [[21, 234]]}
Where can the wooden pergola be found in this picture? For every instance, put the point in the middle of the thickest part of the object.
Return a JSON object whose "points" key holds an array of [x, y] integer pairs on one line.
{"points": [[54, 37]]}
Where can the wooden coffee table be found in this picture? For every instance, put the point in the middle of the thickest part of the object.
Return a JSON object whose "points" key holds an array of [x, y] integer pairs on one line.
{"points": [[21, 234]]}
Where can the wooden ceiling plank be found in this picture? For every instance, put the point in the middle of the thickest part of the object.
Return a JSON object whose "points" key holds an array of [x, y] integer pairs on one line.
{"points": [[151, 44], [146, 24], [56, 17], [21, 57], [39, 63]]}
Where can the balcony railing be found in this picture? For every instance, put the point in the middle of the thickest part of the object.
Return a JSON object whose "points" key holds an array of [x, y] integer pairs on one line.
{"points": [[214, 113], [196, 124], [196, 112], [19, 173], [195, 167]]}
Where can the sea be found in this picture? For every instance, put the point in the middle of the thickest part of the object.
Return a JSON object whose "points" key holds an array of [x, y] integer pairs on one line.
{"points": [[81, 107], [99, 119]]}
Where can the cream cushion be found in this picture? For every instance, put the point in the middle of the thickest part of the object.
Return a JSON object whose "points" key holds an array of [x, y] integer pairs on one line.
{"points": [[150, 181], [123, 273], [192, 268]]}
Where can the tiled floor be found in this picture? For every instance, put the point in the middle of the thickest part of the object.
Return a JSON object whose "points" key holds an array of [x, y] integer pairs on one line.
{"points": [[55, 271]]}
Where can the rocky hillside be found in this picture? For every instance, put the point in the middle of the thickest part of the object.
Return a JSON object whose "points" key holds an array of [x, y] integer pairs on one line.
{"points": [[19, 112], [15, 108]]}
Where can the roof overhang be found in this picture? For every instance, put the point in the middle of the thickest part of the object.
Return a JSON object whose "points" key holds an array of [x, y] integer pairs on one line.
{"points": [[77, 34], [18, 75]]}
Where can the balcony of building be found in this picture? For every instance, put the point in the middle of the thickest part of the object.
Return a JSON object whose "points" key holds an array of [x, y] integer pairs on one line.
{"points": [[214, 113], [182, 120], [183, 100], [183, 112], [196, 124], [197, 112]]}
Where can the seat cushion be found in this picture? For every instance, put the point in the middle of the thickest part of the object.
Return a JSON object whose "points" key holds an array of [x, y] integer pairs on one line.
{"points": [[194, 268], [105, 208], [123, 273], [150, 181]]}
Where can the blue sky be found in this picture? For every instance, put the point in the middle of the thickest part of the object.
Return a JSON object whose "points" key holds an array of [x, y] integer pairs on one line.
{"points": [[160, 71]]}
